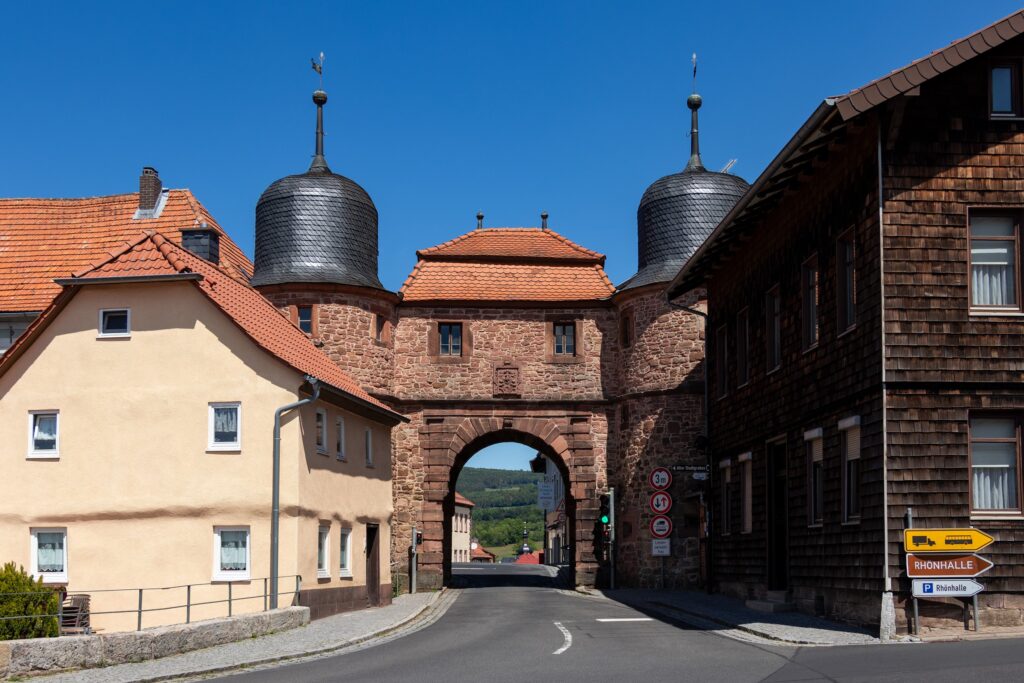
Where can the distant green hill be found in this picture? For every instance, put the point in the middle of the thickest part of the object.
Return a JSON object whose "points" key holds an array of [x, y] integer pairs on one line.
{"points": [[504, 499]]}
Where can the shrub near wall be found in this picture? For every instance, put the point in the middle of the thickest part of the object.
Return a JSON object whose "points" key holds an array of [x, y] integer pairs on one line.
{"points": [[23, 596]]}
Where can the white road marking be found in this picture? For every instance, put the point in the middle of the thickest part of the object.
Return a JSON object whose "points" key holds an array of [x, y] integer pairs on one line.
{"points": [[629, 619], [566, 635]]}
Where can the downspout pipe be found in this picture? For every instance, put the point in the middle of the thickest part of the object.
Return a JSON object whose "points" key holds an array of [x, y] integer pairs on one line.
{"points": [[707, 435], [275, 513]]}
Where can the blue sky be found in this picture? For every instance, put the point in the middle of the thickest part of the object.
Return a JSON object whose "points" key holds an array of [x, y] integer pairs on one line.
{"points": [[439, 109]]}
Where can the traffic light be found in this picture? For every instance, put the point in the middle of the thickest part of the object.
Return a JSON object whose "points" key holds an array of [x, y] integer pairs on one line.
{"points": [[419, 537], [602, 529], [605, 516]]}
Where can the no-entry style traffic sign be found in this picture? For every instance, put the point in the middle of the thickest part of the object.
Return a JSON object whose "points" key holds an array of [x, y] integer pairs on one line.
{"points": [[950, 588], [945, 540], [661, 526], [661, 478], [946, 566], [661, 502]]}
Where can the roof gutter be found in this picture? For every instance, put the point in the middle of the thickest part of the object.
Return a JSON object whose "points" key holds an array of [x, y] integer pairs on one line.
{"points": [[680, 283], [117, 280]]}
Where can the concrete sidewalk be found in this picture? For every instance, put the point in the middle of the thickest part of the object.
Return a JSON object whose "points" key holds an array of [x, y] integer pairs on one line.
{"points": [[328, 635], [715, 611]]}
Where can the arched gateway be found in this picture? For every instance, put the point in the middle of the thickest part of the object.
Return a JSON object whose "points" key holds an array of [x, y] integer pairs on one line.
{"points": [[512, 334]]}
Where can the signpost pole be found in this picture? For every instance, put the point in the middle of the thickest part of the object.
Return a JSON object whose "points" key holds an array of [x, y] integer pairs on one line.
{"points": [[412, 562], [611, 536], [977, 625], [910, 525]]}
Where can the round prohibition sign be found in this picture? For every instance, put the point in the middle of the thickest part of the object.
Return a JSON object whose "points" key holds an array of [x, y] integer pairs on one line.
{"points": [[661, 526], [661, 502], [660, 478]]}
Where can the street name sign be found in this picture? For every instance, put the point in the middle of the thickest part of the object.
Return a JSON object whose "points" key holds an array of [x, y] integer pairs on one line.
{"points": [[661, 502], [660, 478], [950, 588], [950, 566], [661, 547], [945, 540], [661, 526]]}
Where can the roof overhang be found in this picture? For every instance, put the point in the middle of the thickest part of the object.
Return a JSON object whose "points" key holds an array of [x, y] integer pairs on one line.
{"points": [[127, 279]]}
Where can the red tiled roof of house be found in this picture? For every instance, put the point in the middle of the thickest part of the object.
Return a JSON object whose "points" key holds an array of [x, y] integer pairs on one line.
{"points": [[481, 552], [152, 254], [514, 243], [508, 264], [44, 239], [463, 501]]}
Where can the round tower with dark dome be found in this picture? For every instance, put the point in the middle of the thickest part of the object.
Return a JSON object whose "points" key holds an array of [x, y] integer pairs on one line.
{"points": [[316, 259], [660, 408]]}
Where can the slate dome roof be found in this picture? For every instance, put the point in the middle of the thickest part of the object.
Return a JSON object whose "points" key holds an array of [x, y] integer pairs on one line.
{"points": [[678, 212], [316, 227]]}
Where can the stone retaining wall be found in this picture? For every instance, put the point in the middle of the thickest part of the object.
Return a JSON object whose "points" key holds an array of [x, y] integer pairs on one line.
{"points": [[48, 655]]}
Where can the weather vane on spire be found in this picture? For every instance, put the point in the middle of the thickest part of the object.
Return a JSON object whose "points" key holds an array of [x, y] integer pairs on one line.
{"points": [[319, 68], [694, 60]]}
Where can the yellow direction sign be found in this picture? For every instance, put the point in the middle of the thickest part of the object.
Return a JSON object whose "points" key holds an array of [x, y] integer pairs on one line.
{"points": [[945, 540]]}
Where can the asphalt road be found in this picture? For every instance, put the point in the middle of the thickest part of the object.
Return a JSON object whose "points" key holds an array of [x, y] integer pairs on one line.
{"points": [[511, 623]]}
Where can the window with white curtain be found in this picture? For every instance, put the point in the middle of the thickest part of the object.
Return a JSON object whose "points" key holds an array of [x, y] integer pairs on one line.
{"points": [[323, 552], [231, 553], [815, 477], [43, 434], [995, 464], [50, 555], [345, 550], [994, 271], [321, 431], [339, 445], [225, 430]]}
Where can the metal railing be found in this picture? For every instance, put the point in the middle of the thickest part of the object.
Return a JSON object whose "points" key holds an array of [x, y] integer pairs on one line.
{"points": [[140, 609]]}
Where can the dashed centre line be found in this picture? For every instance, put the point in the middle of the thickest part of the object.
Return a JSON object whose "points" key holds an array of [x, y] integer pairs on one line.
{"points": [[627, 619]]}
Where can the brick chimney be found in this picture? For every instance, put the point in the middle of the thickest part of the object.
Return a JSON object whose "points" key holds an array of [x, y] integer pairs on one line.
{"points": [[149, 189]]}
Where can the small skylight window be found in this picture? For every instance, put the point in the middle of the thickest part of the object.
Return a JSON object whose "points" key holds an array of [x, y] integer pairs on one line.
{"points": [[115, 322]]}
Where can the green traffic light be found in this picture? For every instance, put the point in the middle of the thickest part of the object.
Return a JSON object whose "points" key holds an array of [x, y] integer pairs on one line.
{"points": [[605, 519]]}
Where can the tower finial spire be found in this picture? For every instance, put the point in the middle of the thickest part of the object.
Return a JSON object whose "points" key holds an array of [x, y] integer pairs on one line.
{"points": [[319, 99], [693, 102]]}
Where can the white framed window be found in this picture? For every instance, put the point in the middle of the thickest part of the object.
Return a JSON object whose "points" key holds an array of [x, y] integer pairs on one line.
{"points": [[49, 552], [115, 322], [323, 552], [339, 444], [815, 477], [368, 445], [231, 553], [225, 429], [321, 431], [345, 553], [44, 434]]}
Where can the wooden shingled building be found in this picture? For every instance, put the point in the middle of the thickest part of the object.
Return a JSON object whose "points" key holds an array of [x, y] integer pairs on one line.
{"points": [[866, 342]]}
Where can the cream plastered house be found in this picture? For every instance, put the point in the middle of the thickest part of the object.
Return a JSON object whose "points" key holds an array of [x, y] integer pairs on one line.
{"points": [[462, 529], [136, 423]]}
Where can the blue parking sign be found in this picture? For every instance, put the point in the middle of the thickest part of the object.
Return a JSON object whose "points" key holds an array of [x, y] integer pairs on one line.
{"points": [[928, 587]]}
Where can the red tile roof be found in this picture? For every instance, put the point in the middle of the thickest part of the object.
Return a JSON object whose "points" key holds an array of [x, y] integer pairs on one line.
{"points": [[44, 239], [153, 254], [463, 501], [508, 264], [481, 552]]}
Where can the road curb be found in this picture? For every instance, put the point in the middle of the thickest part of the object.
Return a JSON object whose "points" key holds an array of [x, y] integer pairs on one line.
{"points": [[210, 671]]}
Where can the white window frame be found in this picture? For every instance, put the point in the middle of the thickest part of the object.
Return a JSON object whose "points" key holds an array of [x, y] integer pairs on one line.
{"points": [[339, 426], [323, 533], [320, 419], [34, 554], [100, 334], [232, 574], [34, 454], [368, 446], [345, 553], [210, 444]]}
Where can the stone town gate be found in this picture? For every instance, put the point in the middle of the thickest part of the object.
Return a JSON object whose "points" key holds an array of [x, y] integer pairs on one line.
{"points": [[449, 438]]}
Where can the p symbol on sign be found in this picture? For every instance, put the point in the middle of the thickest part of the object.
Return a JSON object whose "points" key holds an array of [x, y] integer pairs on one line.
{"points": [[929, 587]]}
